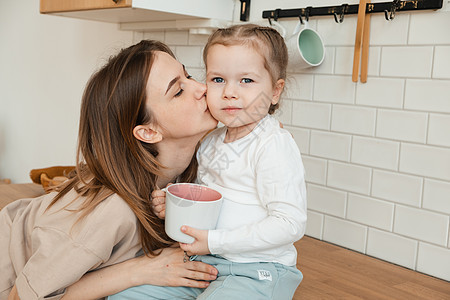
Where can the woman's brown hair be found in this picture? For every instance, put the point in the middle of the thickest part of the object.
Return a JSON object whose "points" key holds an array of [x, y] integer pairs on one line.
{"points": [[109, 158], [265, 40]]}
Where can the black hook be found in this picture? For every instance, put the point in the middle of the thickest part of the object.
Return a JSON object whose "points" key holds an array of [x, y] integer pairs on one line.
{"points": [[341, 15], [307, 13], [390, 15], [277, 13], [300, 18]]}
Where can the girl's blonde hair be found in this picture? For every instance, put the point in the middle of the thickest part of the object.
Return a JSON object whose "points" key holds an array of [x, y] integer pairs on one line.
{"points": [[109, 158], [265, 40]]}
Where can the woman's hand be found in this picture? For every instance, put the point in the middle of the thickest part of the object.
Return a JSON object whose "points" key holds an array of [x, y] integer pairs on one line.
{"points": [[169, 269], [159, 203], [200, 245], [166, 269]]}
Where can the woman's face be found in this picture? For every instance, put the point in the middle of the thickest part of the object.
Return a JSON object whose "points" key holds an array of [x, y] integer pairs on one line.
{"points": [[177, 102]]}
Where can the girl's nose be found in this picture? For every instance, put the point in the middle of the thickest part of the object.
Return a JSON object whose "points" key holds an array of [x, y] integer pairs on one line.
{"points": [[229, 92]]}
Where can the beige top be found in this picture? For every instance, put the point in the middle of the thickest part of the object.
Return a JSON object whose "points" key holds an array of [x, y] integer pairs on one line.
{"points": [[43, 253]]}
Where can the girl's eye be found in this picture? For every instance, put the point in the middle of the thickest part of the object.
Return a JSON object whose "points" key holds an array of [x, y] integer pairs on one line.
{"points": [[246, 80], [217, 80]]}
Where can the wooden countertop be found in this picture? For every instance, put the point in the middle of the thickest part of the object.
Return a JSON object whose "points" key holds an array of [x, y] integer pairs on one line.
{"points": [[11, 192]]}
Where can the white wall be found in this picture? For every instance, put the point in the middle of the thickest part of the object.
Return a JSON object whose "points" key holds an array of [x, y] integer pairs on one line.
{"points": [[45, 62]]}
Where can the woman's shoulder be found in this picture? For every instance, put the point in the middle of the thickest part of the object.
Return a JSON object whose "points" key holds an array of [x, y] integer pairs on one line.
{"points": [[74, 211], [114, 206]]}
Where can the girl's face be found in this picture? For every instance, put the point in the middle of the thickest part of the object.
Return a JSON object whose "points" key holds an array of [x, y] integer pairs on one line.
{"points": [[176, 101], [240, 89]]}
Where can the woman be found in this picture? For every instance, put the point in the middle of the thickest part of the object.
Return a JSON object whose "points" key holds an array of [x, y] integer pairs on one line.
{"points": [[142, 117]]}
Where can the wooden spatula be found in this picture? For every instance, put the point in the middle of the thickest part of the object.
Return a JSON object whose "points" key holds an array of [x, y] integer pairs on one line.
{"points": [[358, 39], [365, 48]]}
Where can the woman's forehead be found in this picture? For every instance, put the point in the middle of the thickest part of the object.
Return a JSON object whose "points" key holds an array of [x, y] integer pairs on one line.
{"points": [[164, 69]]}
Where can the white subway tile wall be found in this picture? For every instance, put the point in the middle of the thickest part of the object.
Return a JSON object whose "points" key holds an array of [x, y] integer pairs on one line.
{"points": [[284, 113], [433, 260], [427, 95], [396, 61], [353, 119], [392, 247], [314, 227], [421, 224], [436, 196], [311, 114], [376, 154], [326, 144], [370, 211], [437, 136], [316, 169], [381, 92], [441, 65], [326, 200], [397, 187]]}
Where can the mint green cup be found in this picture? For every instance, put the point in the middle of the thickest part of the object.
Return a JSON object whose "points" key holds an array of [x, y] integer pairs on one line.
{"points": [[306, 48]]}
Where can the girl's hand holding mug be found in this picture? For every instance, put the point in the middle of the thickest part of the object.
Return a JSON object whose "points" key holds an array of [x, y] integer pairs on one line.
{"points": [[159, 203], [200, 245]]}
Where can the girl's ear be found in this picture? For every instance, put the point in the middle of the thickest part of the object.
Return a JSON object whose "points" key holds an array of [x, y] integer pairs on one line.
{"points": [[277, 90], [147, 134]]}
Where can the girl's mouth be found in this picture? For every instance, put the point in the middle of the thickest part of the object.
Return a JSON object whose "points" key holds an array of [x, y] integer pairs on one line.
{"points": [[231, 109]]}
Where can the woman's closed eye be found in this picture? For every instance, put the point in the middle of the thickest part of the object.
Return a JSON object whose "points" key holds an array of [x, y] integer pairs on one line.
{"points": [[178, 94]]}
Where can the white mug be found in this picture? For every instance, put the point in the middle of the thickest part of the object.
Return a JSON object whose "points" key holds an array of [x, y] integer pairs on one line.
{"points": [[305, 46], [193, 205]]}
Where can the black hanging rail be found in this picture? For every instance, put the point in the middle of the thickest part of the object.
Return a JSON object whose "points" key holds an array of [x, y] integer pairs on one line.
{"points": [[346, 9]]}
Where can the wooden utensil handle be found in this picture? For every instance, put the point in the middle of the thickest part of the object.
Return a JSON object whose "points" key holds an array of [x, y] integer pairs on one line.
{"points": [[365, 48], [358, 39]]}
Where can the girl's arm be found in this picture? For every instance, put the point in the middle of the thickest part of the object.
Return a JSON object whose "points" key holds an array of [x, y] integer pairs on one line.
{"points": [[167, 269]]}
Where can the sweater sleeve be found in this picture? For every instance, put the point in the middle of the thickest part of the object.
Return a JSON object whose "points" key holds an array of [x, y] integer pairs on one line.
{"points": [[281, 190], [60, 258], [56, 263]]}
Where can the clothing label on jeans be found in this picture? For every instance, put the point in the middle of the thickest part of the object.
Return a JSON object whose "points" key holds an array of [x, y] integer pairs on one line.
{"points": [[264, 275]]}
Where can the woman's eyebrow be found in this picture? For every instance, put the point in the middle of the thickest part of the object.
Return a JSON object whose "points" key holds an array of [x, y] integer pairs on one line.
{"points": [[172, 82]]}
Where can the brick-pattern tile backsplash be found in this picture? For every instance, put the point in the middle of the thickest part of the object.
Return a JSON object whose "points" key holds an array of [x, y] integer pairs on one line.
{"points": [[392, 247], [427, 95], [376, 154]]}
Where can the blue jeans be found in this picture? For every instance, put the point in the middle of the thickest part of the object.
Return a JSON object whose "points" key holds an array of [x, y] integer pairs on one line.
{"points": [[246, 281]]}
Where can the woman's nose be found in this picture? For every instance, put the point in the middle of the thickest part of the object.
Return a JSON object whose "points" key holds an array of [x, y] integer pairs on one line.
{"points": [[200, 90]]}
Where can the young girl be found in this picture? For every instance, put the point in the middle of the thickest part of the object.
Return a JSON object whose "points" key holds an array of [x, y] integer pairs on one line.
{"points": [[257, 168], [132, 138]]}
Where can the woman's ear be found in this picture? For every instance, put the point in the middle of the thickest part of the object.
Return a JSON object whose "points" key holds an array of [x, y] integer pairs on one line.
{"points": [[277, 90], [147, 134]]}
